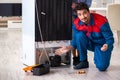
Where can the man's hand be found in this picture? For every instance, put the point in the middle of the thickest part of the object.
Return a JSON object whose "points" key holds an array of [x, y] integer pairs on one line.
{"points": [[62, 50], [104, 47]]}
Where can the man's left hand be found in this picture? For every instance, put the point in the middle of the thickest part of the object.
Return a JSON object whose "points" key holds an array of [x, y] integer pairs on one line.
{"points": [[104, 47]]}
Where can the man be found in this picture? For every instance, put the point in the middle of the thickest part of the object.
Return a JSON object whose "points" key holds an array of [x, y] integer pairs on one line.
{"points": [[91, 32]]}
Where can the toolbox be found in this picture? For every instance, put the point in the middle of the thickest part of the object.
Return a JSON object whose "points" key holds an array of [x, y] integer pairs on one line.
{"points": [[41, 69]]}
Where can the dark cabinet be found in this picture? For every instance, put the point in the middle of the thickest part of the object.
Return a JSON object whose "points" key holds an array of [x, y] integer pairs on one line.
{"points": [[10, 9], [55, 18]]}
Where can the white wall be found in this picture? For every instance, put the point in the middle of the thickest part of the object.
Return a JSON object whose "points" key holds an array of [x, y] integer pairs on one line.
{"points": [[11, 1], [117, 1]]}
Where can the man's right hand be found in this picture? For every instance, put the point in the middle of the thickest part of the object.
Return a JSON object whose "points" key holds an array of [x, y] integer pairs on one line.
{"points": [[62, 50]]}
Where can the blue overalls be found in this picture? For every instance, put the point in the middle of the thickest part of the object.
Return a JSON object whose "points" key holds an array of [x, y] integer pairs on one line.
{"points": [[94, 40]]}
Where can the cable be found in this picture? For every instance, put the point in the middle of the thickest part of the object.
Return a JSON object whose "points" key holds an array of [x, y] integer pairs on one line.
{"points": [[44, 49]]}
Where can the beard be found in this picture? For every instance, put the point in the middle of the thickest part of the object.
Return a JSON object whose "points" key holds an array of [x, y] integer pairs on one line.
{"points": [[85, 20]]}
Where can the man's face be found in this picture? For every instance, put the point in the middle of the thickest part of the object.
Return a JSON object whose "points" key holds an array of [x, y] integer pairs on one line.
{"points": [[84, 15]]}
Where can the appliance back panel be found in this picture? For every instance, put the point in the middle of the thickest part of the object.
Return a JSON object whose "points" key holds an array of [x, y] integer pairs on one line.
{"points": [[55, 18]]}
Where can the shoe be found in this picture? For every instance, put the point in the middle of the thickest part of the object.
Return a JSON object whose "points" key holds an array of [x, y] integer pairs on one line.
{"points": [[81, 65], [76, 61]]}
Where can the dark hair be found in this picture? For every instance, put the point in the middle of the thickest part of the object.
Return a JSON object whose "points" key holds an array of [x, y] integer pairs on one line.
{"points": [[81, 6]]}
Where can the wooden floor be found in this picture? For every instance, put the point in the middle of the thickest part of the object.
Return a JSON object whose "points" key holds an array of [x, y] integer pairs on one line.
{"points": [[11, 63]]}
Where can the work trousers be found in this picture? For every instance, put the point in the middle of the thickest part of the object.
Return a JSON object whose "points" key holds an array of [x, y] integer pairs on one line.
{"points": [[101, 58]]}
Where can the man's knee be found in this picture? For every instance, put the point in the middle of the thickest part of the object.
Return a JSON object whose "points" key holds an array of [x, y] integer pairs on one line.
{"points": [[102, 67]]}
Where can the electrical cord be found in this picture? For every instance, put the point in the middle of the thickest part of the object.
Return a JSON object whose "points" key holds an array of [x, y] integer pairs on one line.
{"points": [[40, 32]]}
